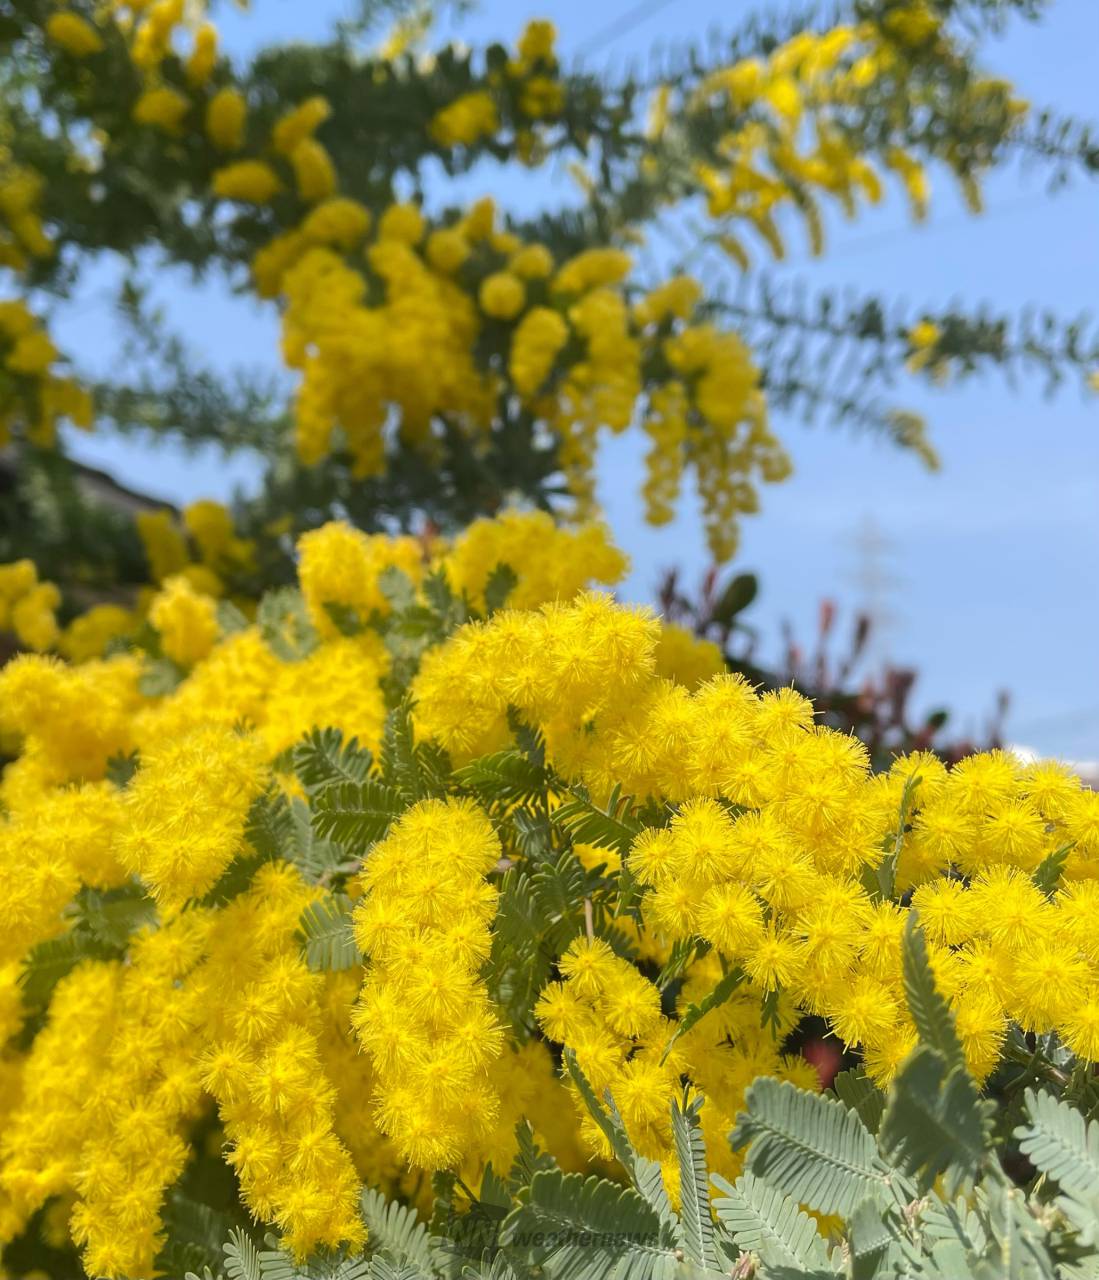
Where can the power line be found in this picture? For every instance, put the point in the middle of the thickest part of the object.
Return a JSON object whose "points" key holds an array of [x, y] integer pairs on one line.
{"points": [[623, 24]]}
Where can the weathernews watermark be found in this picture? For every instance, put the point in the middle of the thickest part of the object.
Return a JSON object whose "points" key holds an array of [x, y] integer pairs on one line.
{"points": [[481, 1228]]}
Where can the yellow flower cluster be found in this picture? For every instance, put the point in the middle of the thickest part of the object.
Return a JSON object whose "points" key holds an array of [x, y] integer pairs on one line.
{"points": [[264, 1066], [22, 234], [786, 147], [204, 552], [28, 607], [775, 866], [403, 332], [185, 812], [34, 397], [530, 88], [424, 1016]]}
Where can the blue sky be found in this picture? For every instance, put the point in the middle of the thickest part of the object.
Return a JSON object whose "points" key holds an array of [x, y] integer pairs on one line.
{"points": [[992, 565]]}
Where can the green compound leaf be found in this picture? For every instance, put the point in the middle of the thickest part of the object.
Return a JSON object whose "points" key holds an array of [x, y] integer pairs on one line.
{"points": [[322, 758], [765, 1221], [578, 1228], [356, 814], [1058, 1141], [395, 1230], [860, 1094], [818, 1151], [327, 934], [504, 777], [695, 1217], [935, 1122], [930, 1011]]}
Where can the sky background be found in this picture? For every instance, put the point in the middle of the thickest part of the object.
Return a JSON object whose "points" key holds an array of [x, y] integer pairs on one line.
{"points": [[991, 566]]}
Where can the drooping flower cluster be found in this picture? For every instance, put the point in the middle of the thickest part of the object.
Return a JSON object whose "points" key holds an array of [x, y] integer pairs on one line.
{"points": [[34, 397], [425, 1018]]}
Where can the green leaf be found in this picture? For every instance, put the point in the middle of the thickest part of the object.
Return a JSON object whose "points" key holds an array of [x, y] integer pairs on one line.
{"points": [[159, 677], [322, 758], [1047, 874], [270, 826], [860, 1094], [327, 933], [110, 916], [614, 827], [874, 1242], [814, 1148], [48, 962], [397, 588], [930, 1011], [694, 1013], [529, 1158], [1058, 1141], [242, 1259], [765, 1221], [737, 596], [880, 881], [695, 1218], [121, 769], [417, 770], [284, 623], [501, 582], [579, 1228], [394, 1229], [504, 777], [356, 814], [230, 619], [934, 1122]]}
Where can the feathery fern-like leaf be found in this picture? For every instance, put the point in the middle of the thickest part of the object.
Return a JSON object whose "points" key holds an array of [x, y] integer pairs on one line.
{"points": [[860, 1094], [322, 759], [395, 1230], [578, 1228], [504, 777], [643, 1173], [764, 1221], [356, 814], [930, 1011], [242, 1260], [695, 1218], [935, 1121], [326, 931], [811, 1146], [1058, 1141], [694, 1013]]}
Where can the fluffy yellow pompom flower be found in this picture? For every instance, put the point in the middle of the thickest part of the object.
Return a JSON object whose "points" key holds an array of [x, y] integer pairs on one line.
{"points": [[250, 181], [446, 250], [74, 34], [185, 812], [200, 65], [300, 123], [592, 269], [163, 108], [186, 620], [531, 262], [339, 221], [314, 172], [403, 223], [226, 117], [466, 120], [535, 344], [502, 295]]}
